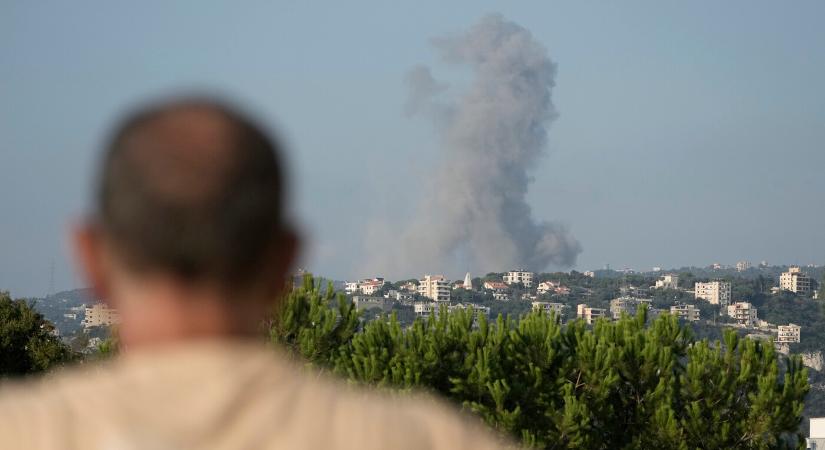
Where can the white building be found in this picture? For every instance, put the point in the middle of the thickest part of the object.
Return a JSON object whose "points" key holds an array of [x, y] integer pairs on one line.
{"points": [[715, 292], [788, 334], [627, 305], [479, 310], [434, 287], [351, 287], [425, 309], [795, 280], [548, 308], [500, 290], [367, 286], [400, 296], [816, 439], [100, 315], [519, 276], [685, 311], [588, 314], [590, 274], [743, 313], [742, 266], [667, 281], [553, 287]]}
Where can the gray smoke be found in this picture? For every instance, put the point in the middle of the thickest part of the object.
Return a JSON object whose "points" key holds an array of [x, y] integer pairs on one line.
{"points": [[474, 208]]}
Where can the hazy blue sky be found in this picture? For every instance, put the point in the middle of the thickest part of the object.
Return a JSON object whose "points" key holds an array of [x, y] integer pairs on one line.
{"points": [[689, 132]]}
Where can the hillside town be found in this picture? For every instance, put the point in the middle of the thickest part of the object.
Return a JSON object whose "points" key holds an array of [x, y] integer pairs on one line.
{"points": [[709, 299], [519, 290]]}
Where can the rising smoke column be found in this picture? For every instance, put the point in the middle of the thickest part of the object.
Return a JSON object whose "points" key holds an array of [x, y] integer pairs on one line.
{"points": [[492, 134]]}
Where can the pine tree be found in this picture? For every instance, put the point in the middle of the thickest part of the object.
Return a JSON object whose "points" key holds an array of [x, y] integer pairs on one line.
{"points": [[627, 384]]}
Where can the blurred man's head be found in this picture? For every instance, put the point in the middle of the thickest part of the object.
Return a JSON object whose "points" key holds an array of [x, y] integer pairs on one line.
{"points": [[189, 208]]}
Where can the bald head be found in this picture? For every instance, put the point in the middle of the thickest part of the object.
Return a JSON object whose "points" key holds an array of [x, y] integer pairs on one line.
{"points": [[193, 188]]}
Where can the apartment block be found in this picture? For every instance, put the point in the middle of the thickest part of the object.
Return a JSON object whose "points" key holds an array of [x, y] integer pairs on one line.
{"points": [[500, 290], [425, 309], [667, 281], [795, 280], [588, 314], [100, 315], [816, 436], [788, 334], [715, 292], [627, 305], [549, 308], [367, 286], [743, 313], [685, 311], [435, 287], [519, 276]]}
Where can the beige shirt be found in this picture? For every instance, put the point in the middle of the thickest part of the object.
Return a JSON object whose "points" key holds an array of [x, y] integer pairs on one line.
{"points": [[220, 395]]}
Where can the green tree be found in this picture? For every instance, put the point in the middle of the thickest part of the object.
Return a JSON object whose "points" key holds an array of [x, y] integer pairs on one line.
{"points": [[314, 323], [627, 384], [27, 344]]}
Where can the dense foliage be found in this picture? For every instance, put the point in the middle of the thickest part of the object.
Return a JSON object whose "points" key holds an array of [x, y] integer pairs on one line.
{"points": [[625, 384], [27, 344]]}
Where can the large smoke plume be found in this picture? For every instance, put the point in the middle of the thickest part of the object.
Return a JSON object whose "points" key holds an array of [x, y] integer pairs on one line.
{"points": [[473, 210]]}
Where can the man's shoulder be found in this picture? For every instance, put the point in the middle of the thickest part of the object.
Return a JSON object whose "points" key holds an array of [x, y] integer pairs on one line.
{"points": [[391, 419], [239, 390]]}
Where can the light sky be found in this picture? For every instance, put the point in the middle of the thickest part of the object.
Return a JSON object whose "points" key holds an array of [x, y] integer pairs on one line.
{"points": [[689, 132]]}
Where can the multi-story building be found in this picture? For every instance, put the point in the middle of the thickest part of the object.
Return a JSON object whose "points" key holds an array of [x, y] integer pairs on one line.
{"points": [[590, 274], [100, 315], [549, 308], [434, 287], [795, 280], [519, 276], [667, 281], [367, 286], [401, 296], [351, 287], [371, 286], [627, 305], [816, 436], [552, 287], [685, 311], [500, 290], [425, 309], [743, 313], [588, 314], [479, 310], [787, 334], [742, 266], [716, 292]]}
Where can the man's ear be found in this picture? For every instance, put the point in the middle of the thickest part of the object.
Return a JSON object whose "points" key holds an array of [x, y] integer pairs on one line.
{"points": [[90, 257]]}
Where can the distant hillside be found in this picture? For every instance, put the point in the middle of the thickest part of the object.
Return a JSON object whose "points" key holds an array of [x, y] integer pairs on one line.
{"points": [[65, 309]]}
